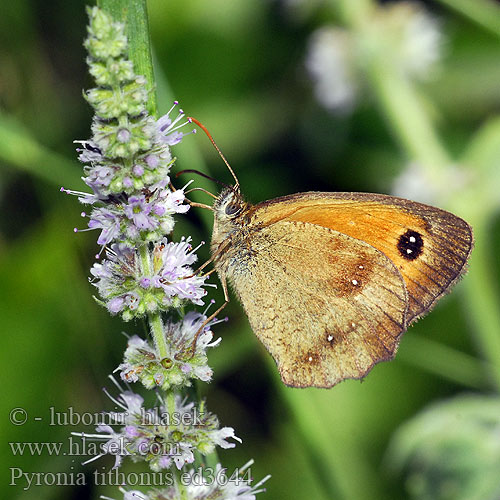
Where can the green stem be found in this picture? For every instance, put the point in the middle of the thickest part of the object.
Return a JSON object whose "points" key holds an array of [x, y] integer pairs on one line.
{"points": [[170, 406], [155, 321], [135, 16], [158, 335], [170, 402], [180, 486], [485, 13], [482, 297], [408, 120], [444, 361], [398, 100]]}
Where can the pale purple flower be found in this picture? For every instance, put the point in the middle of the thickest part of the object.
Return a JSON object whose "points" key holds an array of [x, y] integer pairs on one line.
{"points": [[152, 161], [165, 462], [138, 170], [123, 135], [113, 444], [226, 486], [218, 485], [109, 223], [99, 177], [89, 152], [116, 305], [187, 358], [220, 437], [137, 210], [131, 431], [183, 456], [170, 202], [132, 401], [125, 288], [134, 219], [168, 130], [175, 274], [85, 198]]}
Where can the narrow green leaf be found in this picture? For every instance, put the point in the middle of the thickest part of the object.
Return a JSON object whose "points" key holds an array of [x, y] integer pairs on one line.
{"points": [[20, 149]]}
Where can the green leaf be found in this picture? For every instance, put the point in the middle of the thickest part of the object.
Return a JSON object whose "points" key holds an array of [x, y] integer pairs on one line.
{"points": [[21, 150]]}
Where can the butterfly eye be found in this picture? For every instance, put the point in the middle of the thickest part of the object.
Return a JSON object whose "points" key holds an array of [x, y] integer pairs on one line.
{"points": [[232, 208]]}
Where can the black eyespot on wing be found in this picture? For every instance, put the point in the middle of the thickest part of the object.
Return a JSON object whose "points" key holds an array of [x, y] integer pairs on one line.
{"points": [[410, 245]]}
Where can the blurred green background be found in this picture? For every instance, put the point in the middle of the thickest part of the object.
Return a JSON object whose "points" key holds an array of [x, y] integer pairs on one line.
{"points": [[424, 426]]}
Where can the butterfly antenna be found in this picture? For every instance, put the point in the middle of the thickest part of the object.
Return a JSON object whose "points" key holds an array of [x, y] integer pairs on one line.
{"points": [[194, 120], [193, 171]]}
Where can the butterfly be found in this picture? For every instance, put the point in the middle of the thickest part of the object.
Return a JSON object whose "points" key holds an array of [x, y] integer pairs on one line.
{"points": [[331, 281]]}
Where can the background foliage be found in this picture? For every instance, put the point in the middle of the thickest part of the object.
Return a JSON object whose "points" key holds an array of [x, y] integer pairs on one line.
{"points": [[239, 67]]}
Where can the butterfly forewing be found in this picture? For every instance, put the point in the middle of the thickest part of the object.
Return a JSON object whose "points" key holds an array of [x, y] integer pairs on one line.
{"points": [[429, 246]]}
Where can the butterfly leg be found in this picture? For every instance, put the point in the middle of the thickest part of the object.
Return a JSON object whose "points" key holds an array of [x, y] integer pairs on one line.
{"points": [[190, 351], [219, 250], [200, 205]]}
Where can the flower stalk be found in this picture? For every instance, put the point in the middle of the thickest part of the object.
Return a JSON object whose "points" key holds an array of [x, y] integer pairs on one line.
{"points": [[142, 274]]}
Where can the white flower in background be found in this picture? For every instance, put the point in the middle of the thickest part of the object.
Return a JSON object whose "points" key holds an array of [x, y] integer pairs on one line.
{"points": [[330, 64], [414, 183], [414, 38], [403, 35]]}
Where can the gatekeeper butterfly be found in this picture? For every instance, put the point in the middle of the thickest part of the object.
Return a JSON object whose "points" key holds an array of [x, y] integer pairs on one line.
{"points": [[330, 281]]}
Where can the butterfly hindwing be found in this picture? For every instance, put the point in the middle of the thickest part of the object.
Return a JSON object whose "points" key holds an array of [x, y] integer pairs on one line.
{"points": [[332, 306]]}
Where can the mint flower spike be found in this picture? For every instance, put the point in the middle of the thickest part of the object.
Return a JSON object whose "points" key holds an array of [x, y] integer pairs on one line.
{"points": [[126, 288], [107, 174], [162, 438], [134, 219], [142, 361], [126, 166]]}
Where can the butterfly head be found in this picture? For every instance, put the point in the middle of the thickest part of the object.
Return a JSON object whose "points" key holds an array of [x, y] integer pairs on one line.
{"points": [[229, 205], [230, 211]]}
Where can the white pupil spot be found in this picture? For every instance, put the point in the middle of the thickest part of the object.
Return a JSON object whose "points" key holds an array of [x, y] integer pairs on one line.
{"points": [[409, 250], [354, 282], [412, 239], [353, 325], [361, 267], [330, 338], [310, 358]]}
